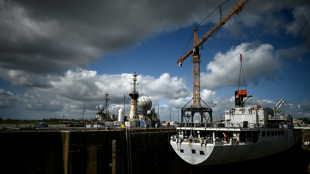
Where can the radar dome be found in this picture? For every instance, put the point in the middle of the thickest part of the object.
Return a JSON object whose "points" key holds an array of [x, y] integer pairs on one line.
{"points": [[100, 107], [144, 104]]}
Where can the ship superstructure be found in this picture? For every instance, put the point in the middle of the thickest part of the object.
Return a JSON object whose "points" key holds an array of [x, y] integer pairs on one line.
{"points": [[134, 99]]}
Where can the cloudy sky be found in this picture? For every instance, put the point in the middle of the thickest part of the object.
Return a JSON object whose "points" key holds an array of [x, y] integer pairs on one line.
{"points": [[56, 56]]}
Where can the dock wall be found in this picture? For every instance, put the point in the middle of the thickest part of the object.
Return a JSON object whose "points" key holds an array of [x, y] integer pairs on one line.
{"points": [[137, 151], [87, 151]]}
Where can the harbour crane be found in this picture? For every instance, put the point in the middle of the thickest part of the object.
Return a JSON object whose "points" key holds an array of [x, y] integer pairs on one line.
{"points": [[196, 107]]}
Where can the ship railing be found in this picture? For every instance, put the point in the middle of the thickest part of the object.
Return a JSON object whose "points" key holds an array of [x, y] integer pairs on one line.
{"points": [[241, 125], [204, 125], [202, 140], [234, 140], [231, 125], [211, 140], [305, 125], [218, 125], [274, 125]]}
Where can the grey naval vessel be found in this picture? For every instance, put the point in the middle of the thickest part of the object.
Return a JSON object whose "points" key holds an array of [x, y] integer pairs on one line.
{"points": [[248, 132]]}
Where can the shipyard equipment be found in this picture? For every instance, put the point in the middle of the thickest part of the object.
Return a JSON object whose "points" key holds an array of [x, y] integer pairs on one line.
{"points": [[144, 105], [241, 96], [196, 107]]}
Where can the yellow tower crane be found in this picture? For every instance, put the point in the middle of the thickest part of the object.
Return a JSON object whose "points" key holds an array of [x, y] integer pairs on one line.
{"points": [[196, 107]]}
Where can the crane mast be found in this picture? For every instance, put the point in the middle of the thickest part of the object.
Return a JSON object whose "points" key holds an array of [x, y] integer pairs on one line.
{"points": [[196, 107], [196, 72]]}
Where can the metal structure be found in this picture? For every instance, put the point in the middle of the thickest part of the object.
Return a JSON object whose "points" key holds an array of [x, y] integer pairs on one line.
{"points": [[134, 96], [277, 106], [106, 106], [196, 107]]}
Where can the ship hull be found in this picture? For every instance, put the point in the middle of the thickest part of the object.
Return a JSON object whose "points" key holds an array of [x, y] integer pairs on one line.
{"points": [[223, 152]]}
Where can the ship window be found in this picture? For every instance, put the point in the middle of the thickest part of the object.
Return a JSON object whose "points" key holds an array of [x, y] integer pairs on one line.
{"points": [[268, 133], [202, 152], [181, 150], [272, 133], [263, 133], [193, 151]]}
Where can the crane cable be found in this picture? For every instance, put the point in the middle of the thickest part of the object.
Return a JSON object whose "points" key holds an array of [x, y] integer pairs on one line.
{"points": [[241, 68], [219, 7], [191, 36], [241, 72]]}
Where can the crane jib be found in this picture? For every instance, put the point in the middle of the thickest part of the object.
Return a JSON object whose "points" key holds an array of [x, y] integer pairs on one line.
{"points": [[235, 10]]}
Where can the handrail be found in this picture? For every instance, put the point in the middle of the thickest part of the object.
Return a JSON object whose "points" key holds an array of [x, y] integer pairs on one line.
{"points": [[211, 140], [229, 125]]}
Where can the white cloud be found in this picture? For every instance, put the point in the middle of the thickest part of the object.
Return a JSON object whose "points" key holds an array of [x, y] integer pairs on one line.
{"points": [[179, 103], [258, 61], [36, 101], [207, 96], [67, 93], [163, 87]]}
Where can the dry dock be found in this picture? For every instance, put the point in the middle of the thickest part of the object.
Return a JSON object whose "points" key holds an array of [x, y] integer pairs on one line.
{"points": [[134, 151]]}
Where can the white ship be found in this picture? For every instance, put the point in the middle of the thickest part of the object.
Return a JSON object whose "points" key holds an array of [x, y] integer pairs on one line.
{"points": [[248, 132]]}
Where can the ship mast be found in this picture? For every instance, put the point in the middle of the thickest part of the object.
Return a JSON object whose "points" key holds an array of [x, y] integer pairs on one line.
{"points": [[134, 96]]}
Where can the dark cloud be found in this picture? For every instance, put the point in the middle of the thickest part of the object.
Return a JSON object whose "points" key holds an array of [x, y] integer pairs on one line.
{"points": [[7, 99], [22, 78], [49, 36], [52, 36]]}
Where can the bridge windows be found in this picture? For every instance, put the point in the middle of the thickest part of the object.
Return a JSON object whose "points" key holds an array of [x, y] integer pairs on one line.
{"points": [[273, 133]]}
